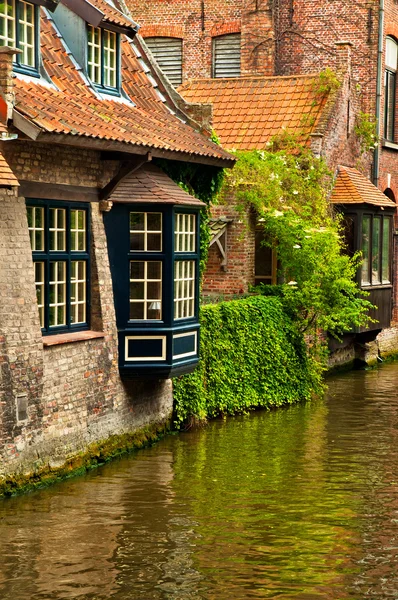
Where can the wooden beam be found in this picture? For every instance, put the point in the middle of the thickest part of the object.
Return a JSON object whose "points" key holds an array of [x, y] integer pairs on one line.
{"points": [[57, 191], [128, 149], [25, 125], [126, 168]]}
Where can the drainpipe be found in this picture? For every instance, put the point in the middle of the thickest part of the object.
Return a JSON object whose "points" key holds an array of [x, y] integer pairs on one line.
{"points": [[379, 83]]}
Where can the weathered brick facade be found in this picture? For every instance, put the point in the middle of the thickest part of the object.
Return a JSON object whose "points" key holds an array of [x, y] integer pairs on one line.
{"points": [[74, 392]]}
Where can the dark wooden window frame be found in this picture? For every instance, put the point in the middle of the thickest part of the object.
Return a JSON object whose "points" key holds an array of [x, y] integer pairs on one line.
{"points": [[370, 259]]}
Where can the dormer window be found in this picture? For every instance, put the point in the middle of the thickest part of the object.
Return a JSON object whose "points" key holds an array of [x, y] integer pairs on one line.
{"points": [[19, 28], [103, 58]]}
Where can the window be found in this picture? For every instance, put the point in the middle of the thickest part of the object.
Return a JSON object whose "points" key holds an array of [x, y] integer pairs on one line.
{"points": [[103, 58], [145, 290], [59, 242], [226, 55], [265, 263], [19, 28], [184, 289], [390, 88], [376, 250], [168, 53]]}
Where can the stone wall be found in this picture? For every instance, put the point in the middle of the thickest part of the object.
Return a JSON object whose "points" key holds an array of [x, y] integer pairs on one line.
{"points": [[72, 392]]}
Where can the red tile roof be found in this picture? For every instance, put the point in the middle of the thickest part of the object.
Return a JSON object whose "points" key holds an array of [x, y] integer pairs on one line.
{"points": [[113, 15], [151, 184], [351, 187], [7, 177], [74, 109], [248, 111]]}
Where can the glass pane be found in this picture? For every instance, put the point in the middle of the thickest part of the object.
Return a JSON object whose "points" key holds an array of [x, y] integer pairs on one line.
{"points": [[154, 270], [391, 53], [29, 212], [137, 242], [154, 242], [137, 310], [137, 221], [376, 250], [153, 290], [137, 291], [137, 269], [365, 250], [154, 221], [386, 251], [155, 310]]}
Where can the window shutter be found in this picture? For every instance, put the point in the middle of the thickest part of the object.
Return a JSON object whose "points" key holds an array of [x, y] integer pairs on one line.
{"points": [[168, 54], [226, 55]]}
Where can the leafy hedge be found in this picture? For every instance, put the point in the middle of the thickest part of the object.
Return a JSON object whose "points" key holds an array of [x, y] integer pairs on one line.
{"points": [[251, 355]]}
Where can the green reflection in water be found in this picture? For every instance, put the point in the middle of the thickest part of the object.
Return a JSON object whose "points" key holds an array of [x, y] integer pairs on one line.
{"points": [[273, 520]]}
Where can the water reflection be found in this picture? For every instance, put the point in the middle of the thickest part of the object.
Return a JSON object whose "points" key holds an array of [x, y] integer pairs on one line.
{"points": [[299, 503]]}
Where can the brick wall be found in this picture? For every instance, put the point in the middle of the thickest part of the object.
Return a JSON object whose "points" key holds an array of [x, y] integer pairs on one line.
{"points": [[197, 23], [74, 393], [238, 274]]}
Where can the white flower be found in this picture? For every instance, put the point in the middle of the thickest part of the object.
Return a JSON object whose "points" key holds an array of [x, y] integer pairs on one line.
{"points": [[292, 283], [297, 246], [295, 192]]}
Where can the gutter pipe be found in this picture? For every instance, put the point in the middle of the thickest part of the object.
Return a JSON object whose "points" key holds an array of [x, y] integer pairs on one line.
{"points": [[376, 158]]}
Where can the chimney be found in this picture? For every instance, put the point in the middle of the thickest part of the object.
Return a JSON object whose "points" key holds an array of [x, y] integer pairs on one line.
{"points": [[6, 81], [343, 58]]}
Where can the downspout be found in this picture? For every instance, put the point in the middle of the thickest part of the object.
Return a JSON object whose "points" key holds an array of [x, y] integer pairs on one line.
{"points": [[376, 158]]}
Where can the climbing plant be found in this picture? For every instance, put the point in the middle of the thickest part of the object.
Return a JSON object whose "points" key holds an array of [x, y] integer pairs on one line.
{"points": [[251, 355], [203, 182], [288, 187]]}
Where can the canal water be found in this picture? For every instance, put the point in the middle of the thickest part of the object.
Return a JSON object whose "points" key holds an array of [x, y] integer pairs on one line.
{"points": [[299, 503]]}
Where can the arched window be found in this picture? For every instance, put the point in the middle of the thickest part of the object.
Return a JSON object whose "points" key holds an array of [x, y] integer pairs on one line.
{"points": [[226, 55], [390, 194], [390, 88], [168, 53]]}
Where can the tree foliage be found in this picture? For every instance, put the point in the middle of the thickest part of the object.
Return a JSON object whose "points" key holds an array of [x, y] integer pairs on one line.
{"points": [[288, 188]]}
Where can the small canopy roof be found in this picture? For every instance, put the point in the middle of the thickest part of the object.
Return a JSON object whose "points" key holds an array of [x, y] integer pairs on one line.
{"points": [[7, 177], [351, 187], [150, 184]]}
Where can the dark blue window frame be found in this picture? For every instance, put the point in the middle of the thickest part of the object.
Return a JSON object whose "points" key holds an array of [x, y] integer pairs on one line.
{"points": [[18, 66], [67, 256]]}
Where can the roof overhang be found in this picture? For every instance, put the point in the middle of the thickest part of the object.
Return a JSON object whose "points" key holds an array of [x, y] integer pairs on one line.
{"points": [[32, 131], [93, 15]]}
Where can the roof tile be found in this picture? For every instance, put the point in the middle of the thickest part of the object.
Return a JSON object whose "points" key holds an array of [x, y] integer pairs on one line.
{"points": [[271, 103], [75, 109], [351, 187]]}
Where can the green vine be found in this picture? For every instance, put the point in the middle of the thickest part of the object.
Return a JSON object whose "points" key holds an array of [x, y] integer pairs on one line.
{"points": [[203, 182], [251, 355], [366, 131]]}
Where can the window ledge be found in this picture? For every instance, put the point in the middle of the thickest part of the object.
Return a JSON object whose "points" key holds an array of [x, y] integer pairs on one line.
{"points": [[390, 145], [68, 338], [378, 286]]}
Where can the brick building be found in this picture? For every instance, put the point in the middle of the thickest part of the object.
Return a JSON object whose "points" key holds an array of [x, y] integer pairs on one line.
{"points": [[99, 248], [285, 38]]}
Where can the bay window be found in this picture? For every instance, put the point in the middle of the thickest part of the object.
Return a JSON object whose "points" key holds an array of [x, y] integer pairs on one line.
{"points": [[154, 257], [59, 241], [376, 250]]}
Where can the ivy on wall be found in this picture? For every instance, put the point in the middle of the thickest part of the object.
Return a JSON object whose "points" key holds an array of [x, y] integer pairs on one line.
{"points": [[251, 355], [203, 182]]}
